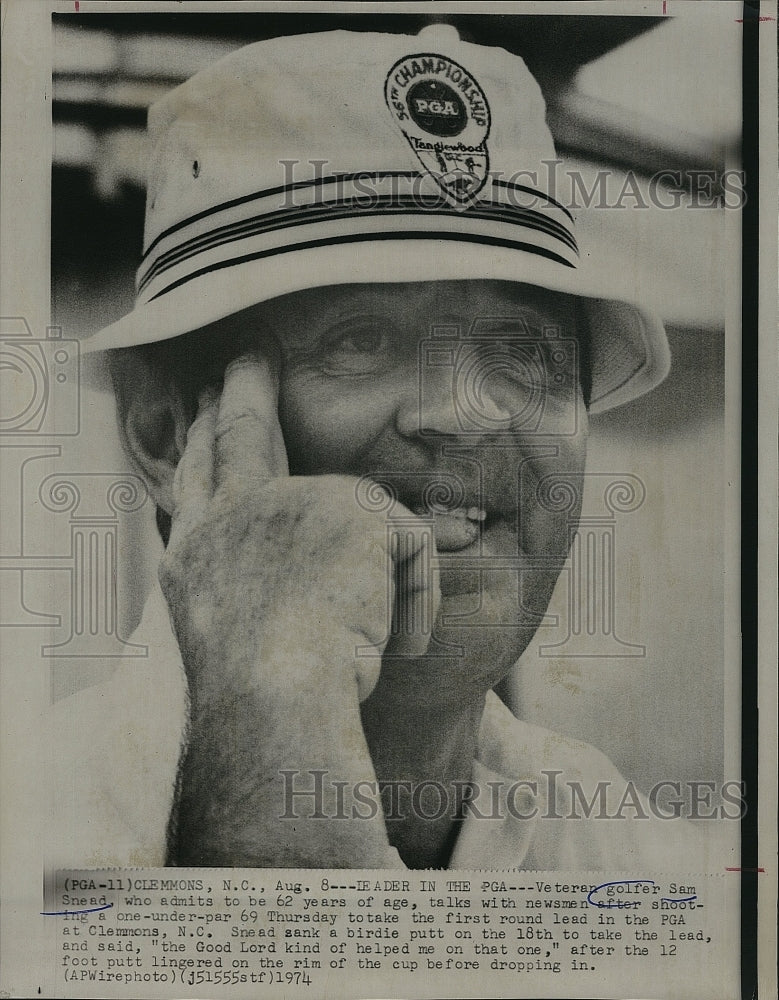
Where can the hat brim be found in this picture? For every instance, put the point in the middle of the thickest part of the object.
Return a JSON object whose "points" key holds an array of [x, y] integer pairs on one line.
{"points": [[629, 348]]}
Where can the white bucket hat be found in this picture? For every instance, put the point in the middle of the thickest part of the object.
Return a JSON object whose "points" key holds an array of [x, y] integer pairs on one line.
{"points": [[342, 157]]}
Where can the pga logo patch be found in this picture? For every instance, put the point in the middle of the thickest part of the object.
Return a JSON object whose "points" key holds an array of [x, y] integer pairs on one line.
{"points": [[444, 115]]}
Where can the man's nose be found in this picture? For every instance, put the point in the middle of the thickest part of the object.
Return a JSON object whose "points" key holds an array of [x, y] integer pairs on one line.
{"points": [[435, 406]]}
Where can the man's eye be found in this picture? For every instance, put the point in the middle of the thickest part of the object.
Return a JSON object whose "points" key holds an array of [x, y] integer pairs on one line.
{"points": [[361, 342], [358, 350]]}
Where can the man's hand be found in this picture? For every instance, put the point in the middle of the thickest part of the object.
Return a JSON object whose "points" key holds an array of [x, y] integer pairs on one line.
{"points": [[273, 582]]}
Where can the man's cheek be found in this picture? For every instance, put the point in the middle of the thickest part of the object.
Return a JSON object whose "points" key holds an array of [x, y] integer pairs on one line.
{"points": [[316, 442], [302, 425], [548, 534]]}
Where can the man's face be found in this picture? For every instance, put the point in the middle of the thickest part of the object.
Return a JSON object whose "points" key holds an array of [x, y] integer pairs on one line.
{"points": [[462, 399]]}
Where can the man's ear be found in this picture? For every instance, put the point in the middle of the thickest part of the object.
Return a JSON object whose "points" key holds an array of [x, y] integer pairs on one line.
{"points": [[153, 420]]}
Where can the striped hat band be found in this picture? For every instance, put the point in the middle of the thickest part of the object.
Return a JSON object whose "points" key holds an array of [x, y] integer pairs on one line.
{"points": [[353, 208]]}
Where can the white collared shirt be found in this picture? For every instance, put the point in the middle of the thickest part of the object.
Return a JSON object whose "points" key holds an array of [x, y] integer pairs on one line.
{"points": [[116, 748]]}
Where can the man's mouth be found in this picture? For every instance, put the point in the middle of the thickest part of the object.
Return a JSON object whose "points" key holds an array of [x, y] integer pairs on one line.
{"points": [[454, 528]]}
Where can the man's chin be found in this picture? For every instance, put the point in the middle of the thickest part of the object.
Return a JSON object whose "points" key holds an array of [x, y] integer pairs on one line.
{"points": [[478, 637], [475, 616]]}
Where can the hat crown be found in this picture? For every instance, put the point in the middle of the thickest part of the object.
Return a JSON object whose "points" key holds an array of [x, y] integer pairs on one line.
{"points": [[284, 108]]}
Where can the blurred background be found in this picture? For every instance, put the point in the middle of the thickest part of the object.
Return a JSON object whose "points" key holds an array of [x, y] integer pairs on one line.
{"points": [[641, 677]]}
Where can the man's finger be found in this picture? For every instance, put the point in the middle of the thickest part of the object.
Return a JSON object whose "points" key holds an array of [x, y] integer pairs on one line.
{"points": [[193, 479], [249, 445]]}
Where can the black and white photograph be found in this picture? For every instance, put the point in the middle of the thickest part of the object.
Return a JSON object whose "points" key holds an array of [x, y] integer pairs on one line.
{"points": [[379, 595]]}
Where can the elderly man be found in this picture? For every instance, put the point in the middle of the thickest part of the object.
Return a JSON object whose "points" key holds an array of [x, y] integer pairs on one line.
{"points": [[364, 352]]}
